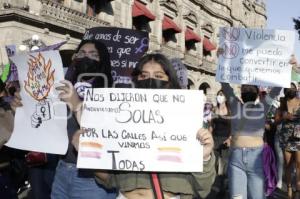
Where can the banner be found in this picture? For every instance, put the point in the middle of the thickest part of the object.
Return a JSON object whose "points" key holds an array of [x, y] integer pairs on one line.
{"points": [[141, 130], [12, 74], [41, 123], [255, 56], [126, 47]]}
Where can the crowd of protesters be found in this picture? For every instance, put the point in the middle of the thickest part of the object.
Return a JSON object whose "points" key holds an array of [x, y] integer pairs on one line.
{"points": [[233, 146]]}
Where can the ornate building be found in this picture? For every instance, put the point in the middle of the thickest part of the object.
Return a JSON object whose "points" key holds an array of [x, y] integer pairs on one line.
{"points": [[185, 29]]}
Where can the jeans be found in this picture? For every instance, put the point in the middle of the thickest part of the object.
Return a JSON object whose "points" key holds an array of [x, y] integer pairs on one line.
{"points": [[280, 161], [41, 178], [73, 183], [245, 173]]}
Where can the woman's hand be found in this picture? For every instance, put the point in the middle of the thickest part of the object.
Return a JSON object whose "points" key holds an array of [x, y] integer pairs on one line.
{"points": [[75, 138], [69, 95], [17, 101], [293, 60], [205, 138], [227, 142]]}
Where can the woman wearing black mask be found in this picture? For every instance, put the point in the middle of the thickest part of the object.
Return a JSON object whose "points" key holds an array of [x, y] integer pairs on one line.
{"points": [[90, 68], [289, 136], [245, 168], [155, 71]]}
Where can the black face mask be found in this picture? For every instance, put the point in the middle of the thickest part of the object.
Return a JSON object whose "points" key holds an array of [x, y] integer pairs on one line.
{"points": [[249, 97], [291, 93], [86, 65], [152, 83]]}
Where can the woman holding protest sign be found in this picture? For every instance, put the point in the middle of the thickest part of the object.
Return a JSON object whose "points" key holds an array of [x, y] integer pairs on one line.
{"points": [[154, 71], [248, 115], [90, 68]]}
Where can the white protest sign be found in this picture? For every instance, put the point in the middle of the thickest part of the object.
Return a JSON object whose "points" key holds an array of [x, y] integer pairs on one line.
{"points": [[255, 56], [141, 130], [41, 123]]}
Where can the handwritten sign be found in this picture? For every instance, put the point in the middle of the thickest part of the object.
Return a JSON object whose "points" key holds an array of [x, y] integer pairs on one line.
{"points": [[41, 123], [126, 47], [11, 67], [181, 72], [141, 130], [255, 56]]}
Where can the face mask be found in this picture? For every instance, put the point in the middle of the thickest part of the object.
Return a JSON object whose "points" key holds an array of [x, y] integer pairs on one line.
{"points": [[80, 88], [86, 65], [220, 99], [152, 83], [249, 97], [291, 93]]}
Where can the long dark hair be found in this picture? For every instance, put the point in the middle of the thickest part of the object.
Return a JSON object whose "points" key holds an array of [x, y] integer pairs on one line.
{"points": [[226, 102], [165, 64], [104, 66]]}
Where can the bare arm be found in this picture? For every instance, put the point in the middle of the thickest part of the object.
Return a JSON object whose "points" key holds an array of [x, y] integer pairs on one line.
{"points": [[69, 95]]}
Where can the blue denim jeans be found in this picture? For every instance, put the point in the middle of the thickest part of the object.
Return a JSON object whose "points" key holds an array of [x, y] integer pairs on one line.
{"points": [[73, 183], [245, 173]]}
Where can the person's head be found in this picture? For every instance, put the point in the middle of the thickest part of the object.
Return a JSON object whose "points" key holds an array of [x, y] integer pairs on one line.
{"points": [[249, 93], [291, 92], [155, 71], [91, 57], [220, 97]]}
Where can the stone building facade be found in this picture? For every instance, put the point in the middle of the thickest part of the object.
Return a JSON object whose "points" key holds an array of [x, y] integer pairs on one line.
{"points": [[185, 29]]}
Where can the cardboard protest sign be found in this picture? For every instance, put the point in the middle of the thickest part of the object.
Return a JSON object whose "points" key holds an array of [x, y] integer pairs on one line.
{"points": [[12, 74], [181, 72], [126, 47], [41, 123], [141, 130], [255, 56]]}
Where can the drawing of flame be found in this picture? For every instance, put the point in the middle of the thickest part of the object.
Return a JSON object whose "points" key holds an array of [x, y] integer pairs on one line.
{"points": [[40, 78]]}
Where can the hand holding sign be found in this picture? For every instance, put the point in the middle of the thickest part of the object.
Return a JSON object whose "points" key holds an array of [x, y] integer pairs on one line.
{"points": [[205, 138]]}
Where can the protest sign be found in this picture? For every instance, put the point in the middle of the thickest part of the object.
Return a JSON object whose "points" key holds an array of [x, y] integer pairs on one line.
{"points": [[12, 74], [181, 72], [141, 130], [126, 47], [255, 56], [41, 123]]}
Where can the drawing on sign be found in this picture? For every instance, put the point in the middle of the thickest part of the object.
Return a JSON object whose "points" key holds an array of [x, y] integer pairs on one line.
{"points": [[144, 44], [91, 149], [169, 154], [40, 79], [231, 50], [231, 34]]}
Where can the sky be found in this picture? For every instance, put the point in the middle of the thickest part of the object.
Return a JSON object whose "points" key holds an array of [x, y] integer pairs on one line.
{"points": [[280, 15]]}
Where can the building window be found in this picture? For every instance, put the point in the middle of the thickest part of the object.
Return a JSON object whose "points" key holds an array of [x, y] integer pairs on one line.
{"points": [[94, 7], [141, 16], [169, 28], [191, 38], [208, 46]]}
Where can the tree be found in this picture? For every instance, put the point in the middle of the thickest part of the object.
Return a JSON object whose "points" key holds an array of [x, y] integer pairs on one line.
{"points": [[297, 25]]}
